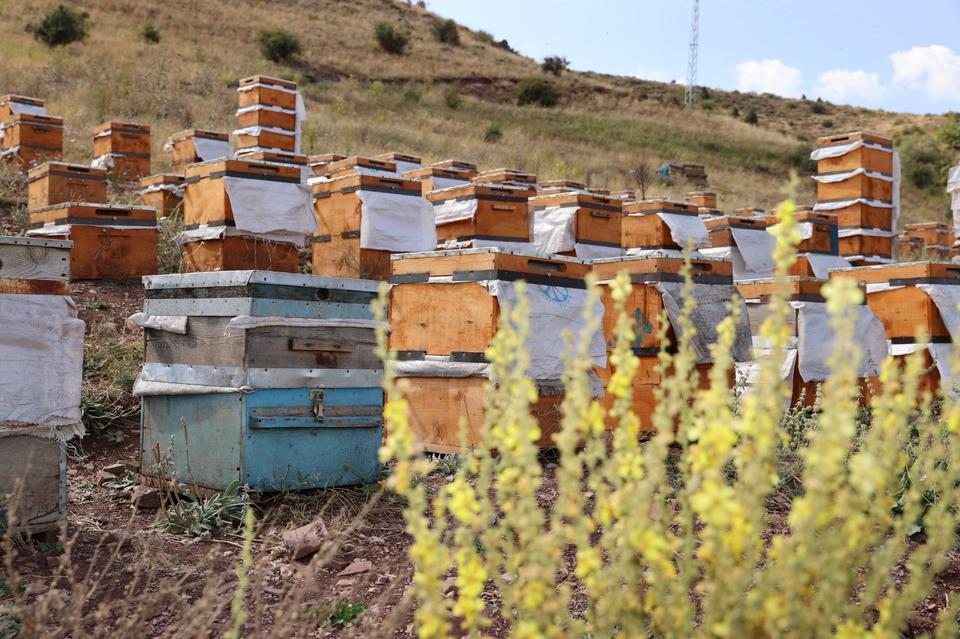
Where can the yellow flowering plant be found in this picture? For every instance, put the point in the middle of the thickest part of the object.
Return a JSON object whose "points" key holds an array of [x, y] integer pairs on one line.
{"points": [[671, 536]]}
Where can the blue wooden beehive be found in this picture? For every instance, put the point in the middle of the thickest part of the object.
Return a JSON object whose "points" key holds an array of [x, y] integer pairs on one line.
{"points": [[265, 378]]}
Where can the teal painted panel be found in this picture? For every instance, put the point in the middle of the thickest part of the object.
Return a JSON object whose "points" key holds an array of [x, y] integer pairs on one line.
{"points": [[199, 433], [304, 438]]}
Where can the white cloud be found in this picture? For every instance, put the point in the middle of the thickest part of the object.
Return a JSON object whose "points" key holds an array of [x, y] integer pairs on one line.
{"points": [[769, 76], [845, 85], [934, 69]]}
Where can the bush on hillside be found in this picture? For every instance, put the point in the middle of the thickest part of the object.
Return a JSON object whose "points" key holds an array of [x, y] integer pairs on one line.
{"points": [[751, 117], [278, 45], [555, 64], [540, 92], [493, 134], [452, 98], [446, 31], [61, 26], [949, 132], [818, 107], [389, 39], [730, 521], [150, 34], [924, 160]]}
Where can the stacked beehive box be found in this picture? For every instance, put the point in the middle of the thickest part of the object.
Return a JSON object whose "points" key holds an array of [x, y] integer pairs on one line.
{"points": [[110, 241], [483, 215], [318, 163], [926, 240], [123, 149], [57, 182], [657, 287], [163, 191], [552, 187], [818, 250], [745, 242], [28, 135], [41, 364], [404, 162], [916, 297], [456, 165], [444, 308], [567, 222], [661, 226], [434, 178], [196, 145], [508, 177], [263, 378], [858, 179], [270, 115], [811, 338], [242, 214]]}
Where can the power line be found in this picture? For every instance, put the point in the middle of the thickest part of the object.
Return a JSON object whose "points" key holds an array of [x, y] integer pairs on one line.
{"points": [[690, 95]]}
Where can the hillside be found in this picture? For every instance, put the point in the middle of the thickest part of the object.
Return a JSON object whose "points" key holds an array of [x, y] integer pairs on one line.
{"points": [[361, 100]]}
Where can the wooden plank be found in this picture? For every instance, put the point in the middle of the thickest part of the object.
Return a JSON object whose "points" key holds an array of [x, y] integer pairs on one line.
{"points": [[116, 254], [239, 254], [442, 318], [34, 262], [41, 465], [206, 343]]}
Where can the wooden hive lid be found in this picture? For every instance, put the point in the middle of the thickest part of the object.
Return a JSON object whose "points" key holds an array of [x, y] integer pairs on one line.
{"points": [[21, 99], [434, 171], [65, 212], [180, 136], [161, 178], [325, 158], [701, 194], [812, 216], [505, 175], [394, 156], [502, 192], [926, 226], [461, 165], [126, 127], [905, 274], [734, 221], [65, 168], [660, 206], [355, 161], [663, 268], [569, 184], [489, 264], [854, 136], [349, 182], [278, 157], [580, 198], [29, 118], [267, 80], [799, 288], [251, 169], [297, 285]]}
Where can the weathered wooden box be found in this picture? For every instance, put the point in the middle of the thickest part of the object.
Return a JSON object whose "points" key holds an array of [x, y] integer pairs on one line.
{"points": [[270, 379], [123, 148], [196, 145], [163, 191], [39, 506], [644, 224], [592, 220], [432, 178], [866, 150], [507, 177], [37, 259], [494, 213], [30, 140], [11, 105], [262, 89], [109, 241], [403, 162], [58, 182]]}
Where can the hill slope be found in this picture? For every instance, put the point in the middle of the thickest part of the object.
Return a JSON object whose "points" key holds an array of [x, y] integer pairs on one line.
{"points": [[361, 100]]}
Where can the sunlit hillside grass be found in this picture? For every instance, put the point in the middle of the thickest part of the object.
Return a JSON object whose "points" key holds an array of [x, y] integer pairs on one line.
{"points": [[362, 100]]}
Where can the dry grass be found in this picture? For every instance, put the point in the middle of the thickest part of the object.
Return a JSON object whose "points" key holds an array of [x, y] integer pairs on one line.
{"points": [[359, 104]]}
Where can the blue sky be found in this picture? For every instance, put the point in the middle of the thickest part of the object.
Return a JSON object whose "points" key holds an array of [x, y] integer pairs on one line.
{"points": [[890, 54]]}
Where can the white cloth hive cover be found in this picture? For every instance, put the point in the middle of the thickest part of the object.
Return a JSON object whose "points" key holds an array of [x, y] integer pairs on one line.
{"points": [[823, 264], [741, 271], [842, 204], [815, 340], [553, 310], [403, 166], [712, 307], [20, 108], [262, 206], [756, 249], [596, 251], [552, 228], [207, 149], [953, 188], [946, 297], [447, 183], [833, 178], [104, 161], [684, 228], [836, 150], [41, 363], [301, 118], [395, 222], [940, 353], [454, 211], [453, 245], [176, 324]]}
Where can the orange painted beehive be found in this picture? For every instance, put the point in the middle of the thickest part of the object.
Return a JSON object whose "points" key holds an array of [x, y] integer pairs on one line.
{"points": [[58, 182], [163, 191], [649, 224], [482, 213], [196, 145], [109, 241], [590, 223], [432, 178], [123, 149], [29, 140]]}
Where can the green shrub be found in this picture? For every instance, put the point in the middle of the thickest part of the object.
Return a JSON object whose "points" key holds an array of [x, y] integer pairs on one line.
{"points": [[205, 516], [683, 534], [446, 31], [412, 93], [150, 34], [389, 39], [493, 134], [949, 132], [540, 92], [278, 45], [924, 159], [61, 26], [751, 117], [818, 107], [452, 98], [735, 112], [555, 64]]}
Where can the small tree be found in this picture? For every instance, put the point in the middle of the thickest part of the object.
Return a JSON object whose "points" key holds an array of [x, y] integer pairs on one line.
{"points": [[150, 34], [641, 174], [278, 45], [751, 117], [60, 26], [389, 39], [555, 64], [446, 31], [539, 92]]}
